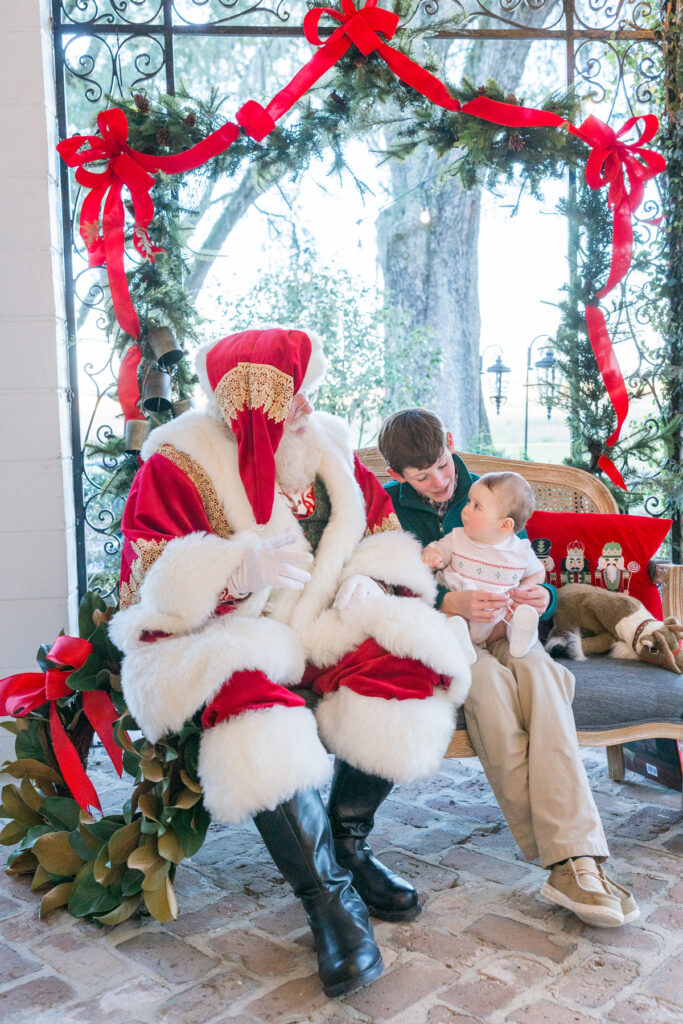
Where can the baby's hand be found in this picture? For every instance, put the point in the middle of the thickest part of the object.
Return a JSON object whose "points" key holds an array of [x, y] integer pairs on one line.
{"points": [[432, 558]]}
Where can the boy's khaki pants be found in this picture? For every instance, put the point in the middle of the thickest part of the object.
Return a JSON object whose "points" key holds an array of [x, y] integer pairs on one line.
{"points": [[520, 722]]}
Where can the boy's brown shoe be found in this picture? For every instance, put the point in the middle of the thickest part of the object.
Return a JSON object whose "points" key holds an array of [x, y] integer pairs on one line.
{"points": [[629, 907], [580, 886]]}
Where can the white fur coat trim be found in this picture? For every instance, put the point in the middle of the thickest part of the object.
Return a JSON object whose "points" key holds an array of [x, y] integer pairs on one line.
{"points": [[404, 626], [181, 589], [167, 681], [399, 740], [393, 557], [257, 760]]}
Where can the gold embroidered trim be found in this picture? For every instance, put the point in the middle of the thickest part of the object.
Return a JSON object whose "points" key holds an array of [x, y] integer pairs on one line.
{"points": [[146, 554], [389, 522], [212, 504], [253, 385]]}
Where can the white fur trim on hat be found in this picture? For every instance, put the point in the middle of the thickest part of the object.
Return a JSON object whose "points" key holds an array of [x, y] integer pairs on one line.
{"points": [[399, 740], [258, 759]]}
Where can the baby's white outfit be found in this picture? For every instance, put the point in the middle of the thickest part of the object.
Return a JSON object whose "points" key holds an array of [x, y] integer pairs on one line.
{"points": [[496, 568]]}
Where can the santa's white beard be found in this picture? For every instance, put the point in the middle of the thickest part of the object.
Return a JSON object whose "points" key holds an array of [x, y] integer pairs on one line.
{"points": [[298, 457]]}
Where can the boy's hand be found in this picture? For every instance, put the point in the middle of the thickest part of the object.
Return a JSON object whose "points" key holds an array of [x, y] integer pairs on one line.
{"points": [[536, 596], [432, 558], [474, 605]]}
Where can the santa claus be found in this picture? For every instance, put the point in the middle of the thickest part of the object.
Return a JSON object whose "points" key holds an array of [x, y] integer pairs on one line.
{"points": [[260, 556]]}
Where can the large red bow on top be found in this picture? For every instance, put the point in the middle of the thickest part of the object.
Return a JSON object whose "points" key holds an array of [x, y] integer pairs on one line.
{"points": [[363, 27], [23, 693], [102, 213]]}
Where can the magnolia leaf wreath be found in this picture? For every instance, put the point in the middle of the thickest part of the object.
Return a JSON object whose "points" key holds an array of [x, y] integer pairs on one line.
{"points": [[106, 867]]}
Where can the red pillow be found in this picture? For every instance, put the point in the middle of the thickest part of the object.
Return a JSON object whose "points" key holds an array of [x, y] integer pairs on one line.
{"points": [[611, 551]]}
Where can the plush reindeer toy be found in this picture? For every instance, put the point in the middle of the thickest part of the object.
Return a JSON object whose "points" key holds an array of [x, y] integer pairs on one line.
{"points": [[590, 620]]}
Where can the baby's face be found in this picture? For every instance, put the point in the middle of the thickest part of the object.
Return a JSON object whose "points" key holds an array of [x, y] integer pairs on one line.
{"points": [[482, 518]]}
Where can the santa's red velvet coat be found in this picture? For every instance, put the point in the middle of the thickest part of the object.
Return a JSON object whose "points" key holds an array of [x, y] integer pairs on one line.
{"points": [[188, 524]]}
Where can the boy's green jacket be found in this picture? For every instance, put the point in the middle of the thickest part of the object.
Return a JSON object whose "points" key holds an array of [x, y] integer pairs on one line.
{"points": [[416, 516]]}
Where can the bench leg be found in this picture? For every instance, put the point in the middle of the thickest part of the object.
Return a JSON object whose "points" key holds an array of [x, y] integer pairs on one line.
{"points": [[615, 762]]}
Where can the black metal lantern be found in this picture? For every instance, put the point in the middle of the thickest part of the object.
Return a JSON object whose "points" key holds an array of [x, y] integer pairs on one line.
{"points": [[498, 374], [546, 369]]}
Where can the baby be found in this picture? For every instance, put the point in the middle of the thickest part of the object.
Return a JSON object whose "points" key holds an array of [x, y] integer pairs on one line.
{"points": [[485, 554]]}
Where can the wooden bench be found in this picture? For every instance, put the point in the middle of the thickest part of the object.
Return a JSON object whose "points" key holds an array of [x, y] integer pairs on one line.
{"points": [[616, 701]]}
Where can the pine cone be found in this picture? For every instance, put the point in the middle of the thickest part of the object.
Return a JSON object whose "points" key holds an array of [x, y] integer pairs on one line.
{"points": [[516, 143], [481, 91], [511, 98], [141, 102], [162, 136], [191, 119]]}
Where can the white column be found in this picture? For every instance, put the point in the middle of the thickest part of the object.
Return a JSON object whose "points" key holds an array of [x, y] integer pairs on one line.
{"points": [[38, 596]]}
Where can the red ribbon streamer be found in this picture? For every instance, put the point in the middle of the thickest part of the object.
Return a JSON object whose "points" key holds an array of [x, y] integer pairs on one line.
{"points": [[22, 693], [102, 213], [127, 387]]}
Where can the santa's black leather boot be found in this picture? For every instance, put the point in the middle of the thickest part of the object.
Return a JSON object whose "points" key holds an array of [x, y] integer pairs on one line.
{"points": [[354, 798], [297, 835]]}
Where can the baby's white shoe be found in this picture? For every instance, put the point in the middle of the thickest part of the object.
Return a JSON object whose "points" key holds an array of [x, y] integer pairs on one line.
{"points": [[458, 626], [522, 630]]}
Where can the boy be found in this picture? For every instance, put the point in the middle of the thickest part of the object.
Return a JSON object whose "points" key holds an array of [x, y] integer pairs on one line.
{"points": [[485, 554], [518, 711]]}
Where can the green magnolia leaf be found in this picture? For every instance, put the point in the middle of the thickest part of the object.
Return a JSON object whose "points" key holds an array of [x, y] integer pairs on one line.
{"points": [[86, 850], [161, 902], [33, 769], [23, 863], [85, 678], [14, 807], [90, 603], [62, 811], [34, 833], [56, 897], [56, 854], [106, 827], [186, 799], [121, 913], [170, 847], [131, 764], [31, 797], [28, 745], [89, 897], [124, 841], [12, 833], [131, 882], [40, 878], [191, 828]]}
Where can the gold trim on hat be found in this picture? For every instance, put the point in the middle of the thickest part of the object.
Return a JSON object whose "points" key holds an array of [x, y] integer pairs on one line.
{"points": [[255, 385]]}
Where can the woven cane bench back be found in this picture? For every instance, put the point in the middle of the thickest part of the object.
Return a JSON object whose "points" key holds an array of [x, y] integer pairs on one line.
{"points": [[557, 488]]}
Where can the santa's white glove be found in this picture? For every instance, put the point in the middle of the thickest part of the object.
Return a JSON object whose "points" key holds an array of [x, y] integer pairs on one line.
{"points": [[268, 565], [356, 589]]}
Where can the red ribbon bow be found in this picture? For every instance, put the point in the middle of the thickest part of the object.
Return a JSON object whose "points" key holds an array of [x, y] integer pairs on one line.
{"points": [[20, 694], [614, 163], [363, 27], [102, 214]]}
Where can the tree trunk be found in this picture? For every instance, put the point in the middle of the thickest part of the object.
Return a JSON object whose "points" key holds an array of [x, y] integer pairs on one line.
{"points": [[431, 271]]}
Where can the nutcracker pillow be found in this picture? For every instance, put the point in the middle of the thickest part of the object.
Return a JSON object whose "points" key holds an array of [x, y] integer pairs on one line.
{"points": [[610, 551]]}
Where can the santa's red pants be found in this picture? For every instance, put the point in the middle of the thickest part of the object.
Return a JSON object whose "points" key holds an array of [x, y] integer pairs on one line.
{"points": [[369, 670]]}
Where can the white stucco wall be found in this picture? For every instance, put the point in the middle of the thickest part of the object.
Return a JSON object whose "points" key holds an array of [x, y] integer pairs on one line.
{"points": [[37, 549]]}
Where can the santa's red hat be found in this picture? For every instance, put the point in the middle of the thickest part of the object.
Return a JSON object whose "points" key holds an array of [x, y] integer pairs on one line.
{"points": [[253, 376]]}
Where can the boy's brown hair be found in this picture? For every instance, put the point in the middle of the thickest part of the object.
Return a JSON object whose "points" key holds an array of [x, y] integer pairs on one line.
{"points": [[514, 494], [413, 438]]}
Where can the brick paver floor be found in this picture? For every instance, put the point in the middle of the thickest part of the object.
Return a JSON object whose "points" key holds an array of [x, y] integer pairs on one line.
{"points": [[484, 949]]}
